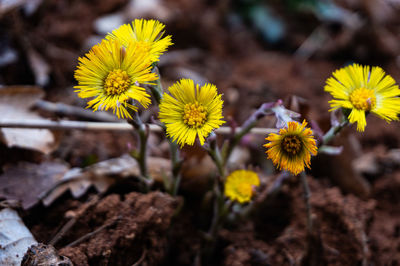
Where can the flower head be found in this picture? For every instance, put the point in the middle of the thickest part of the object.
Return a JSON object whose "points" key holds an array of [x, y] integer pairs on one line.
{"points": [[143, 33], [362, 89], [190, 110], [239, 185], [111, 74], [292, 147]]}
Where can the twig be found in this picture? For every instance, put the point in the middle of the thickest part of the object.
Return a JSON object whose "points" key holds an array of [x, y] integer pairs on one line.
{"points": [[73, 220], [141, 259], [82, 125], [248, 126], [365, 249], [313, 42], [89, 235], [69, 110]]}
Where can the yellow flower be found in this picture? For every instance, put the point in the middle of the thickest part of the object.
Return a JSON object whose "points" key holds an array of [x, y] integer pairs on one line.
{"points": [[292, 147], [143, 33], [111, 74], [362, 89], [240, 185], [191, 111]]}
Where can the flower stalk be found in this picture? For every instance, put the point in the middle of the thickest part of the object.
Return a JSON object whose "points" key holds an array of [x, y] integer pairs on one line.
{"points": [[176, 160], [333, 131], [221, 211], [140, 156], [250, 123], [216, 155], [157, 89]]}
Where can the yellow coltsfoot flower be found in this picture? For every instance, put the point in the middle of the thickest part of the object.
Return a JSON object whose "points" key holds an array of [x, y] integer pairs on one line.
{"points": [[146, 34], [190, 110], [292, 147], [240, 184], [111, 74], [362, 90]]}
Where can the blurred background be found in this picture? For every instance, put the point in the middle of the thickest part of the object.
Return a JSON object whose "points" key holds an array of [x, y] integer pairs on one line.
{"points": [[253, 50]]}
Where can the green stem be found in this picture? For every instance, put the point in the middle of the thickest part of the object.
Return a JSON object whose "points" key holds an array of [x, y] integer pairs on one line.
{"points": [[176, 166], [333, 131], [140, 127], [246, 127], [221, 211], [227, 150], [217, 157], [215, 154], [157, 89]]}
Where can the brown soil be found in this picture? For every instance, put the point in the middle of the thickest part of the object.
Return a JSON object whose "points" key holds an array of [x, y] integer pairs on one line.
{"points": [[135, 231], [341, 223]]}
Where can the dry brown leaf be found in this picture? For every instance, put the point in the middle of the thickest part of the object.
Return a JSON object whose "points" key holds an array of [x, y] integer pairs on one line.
{"points": [[40, 254], [29, 183], [15, 102], [103, 174], [380, 11], [25, 182]]}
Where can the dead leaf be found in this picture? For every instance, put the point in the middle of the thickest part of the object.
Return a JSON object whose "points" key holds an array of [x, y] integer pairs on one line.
{"points": [[29, 6], [108, 23], [103, 174], [240, 156], [25, 182], [367, 164], [15, 238], [380, 11], [40, 254], [8, 5], [29, 183], [39, 66], [15, 102], [148, 8], [8, 55]]}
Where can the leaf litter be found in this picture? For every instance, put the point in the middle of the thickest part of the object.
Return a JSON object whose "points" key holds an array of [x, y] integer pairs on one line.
{"points": [[30, 183], [15, 104]]}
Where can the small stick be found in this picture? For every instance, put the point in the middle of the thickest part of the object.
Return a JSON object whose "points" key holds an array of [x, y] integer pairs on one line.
{"points": [[89, 235], [73, 220], [63, 230], [364, 242], [69, 110], [141, 259], [117, 126]]}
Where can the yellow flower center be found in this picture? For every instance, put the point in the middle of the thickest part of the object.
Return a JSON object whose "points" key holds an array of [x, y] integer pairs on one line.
{"points": [[245, 190], [194, 115], [116, 82], [291, 144], [363, 99]]}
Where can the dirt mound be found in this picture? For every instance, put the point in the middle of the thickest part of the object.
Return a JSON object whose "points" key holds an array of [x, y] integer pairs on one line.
{"points": [[136, 230], [340, 223]]}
